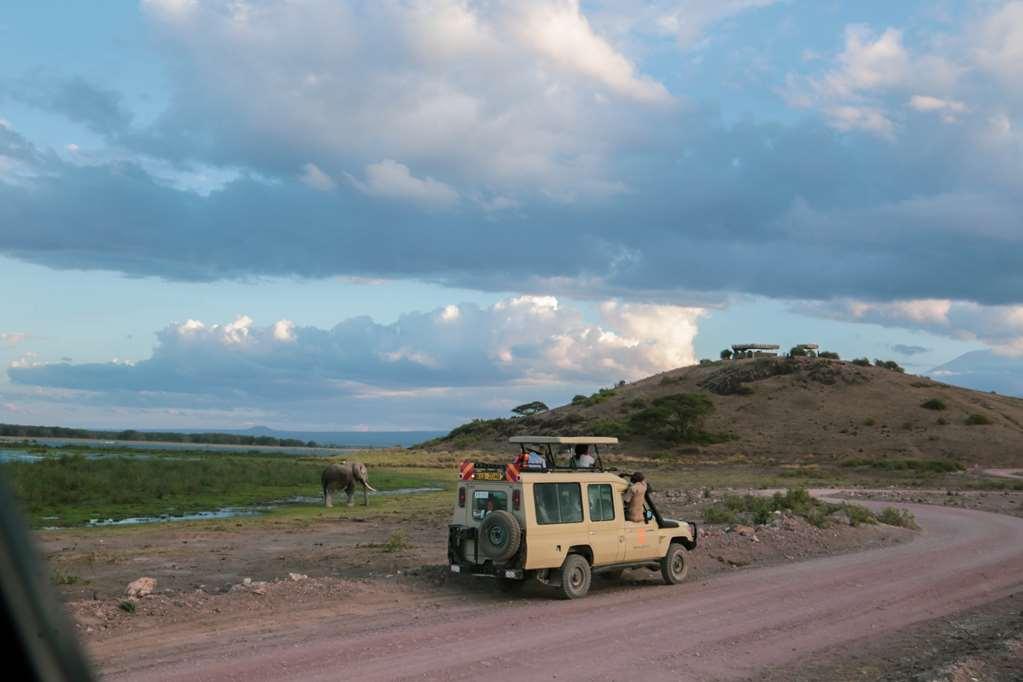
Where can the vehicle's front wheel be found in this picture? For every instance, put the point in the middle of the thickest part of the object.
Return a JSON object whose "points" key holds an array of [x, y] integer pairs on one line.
{"points": [[575, 576], [674, 565]]}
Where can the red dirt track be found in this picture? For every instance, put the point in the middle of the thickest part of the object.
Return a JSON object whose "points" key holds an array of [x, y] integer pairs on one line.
{"points": [[723, 628]]}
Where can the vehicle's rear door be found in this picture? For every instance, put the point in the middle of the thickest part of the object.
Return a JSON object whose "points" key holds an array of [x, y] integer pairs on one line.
{"points": [[557, 523], [606, 531]]}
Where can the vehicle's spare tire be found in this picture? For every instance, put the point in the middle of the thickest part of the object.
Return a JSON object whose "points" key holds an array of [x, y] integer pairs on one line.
{"points": [[500, 535]]}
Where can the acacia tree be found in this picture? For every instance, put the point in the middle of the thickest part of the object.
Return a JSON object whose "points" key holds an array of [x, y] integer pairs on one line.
{"points": [[677, 417], [529, 409], [726, 354]]}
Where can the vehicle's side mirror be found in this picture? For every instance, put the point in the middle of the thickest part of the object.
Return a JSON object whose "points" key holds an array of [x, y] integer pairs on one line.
{"points": [[648, 515]]}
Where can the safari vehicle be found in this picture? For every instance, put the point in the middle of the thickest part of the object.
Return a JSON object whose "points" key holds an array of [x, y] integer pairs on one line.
{"points": [[544, 520]]}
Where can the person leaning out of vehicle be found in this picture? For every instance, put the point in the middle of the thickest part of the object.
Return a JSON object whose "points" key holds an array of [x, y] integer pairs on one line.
{"points": [[634, 498], [582, 459]]}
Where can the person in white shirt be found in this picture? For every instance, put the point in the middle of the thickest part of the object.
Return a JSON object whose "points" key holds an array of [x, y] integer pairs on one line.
{"points": [[582, 459]]}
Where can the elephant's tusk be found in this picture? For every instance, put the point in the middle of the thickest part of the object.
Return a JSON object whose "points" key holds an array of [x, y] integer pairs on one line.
{"points": [[369, 487]]}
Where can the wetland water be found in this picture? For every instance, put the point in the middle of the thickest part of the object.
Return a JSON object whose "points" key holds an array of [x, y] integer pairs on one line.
{"points": [[253, 510]]}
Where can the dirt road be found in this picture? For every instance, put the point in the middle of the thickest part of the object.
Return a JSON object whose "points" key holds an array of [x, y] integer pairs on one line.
{"points": [[723, 628]]}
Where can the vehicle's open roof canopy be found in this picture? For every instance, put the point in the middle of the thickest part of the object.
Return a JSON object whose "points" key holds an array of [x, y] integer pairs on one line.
{"points": [[565, 440]]}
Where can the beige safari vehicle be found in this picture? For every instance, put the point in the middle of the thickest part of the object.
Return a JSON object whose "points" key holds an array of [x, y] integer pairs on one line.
{"points": [[546, 520]]}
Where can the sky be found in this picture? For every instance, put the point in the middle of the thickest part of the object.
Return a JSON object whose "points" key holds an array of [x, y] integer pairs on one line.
{"points": [[404, 215]]}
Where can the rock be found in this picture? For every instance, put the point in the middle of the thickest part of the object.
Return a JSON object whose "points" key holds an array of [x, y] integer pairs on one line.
{"points": [[140, 588], [247, 581], [297, 576], [745, 531]]}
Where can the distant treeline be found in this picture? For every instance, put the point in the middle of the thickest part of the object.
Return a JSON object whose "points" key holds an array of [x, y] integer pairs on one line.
{"points": [[21, 431]]}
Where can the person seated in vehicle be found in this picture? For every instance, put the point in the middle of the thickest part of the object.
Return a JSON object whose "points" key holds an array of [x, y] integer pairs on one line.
{"points": [[530, 459], [582, 459], [634, 497]]}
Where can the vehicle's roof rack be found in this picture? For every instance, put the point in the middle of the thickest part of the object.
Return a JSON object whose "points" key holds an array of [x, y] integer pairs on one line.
{"points": [[565, 440]]}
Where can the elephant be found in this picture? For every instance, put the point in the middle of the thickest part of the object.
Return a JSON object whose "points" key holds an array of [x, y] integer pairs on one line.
{"points": [[337, 476]]}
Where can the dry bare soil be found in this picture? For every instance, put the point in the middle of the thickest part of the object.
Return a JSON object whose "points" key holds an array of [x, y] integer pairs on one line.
{"points": [[790, 598]]}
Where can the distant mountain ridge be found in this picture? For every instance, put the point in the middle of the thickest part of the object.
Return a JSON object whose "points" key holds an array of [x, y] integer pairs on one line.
{"points": [[256, 435], [983, 370], [376, 439]]}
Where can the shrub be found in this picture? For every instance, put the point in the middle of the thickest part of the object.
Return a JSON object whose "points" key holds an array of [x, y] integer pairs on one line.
{"points": [[759, 509], [726, 354], [636, 403], [744, 389], [859, 515], [978, 420], [127, 606], [903, 518], [861, 362], [937, 466], [828, 355], [397, 542], [61, 578], [934, 404], [607, 427], [869, 421], [675, 417], [595, 399], [717, 514], [797, 352], [889, 364]]}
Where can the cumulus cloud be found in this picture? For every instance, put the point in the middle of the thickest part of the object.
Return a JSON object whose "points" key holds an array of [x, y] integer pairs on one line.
{"points": [[999, 45], [510, 93], [998, 327], [12, 339], [392, 180], [525, 340], [861, 88], [539, 160], [560, 32], [316, 178], [80, 100], [689, 20]]}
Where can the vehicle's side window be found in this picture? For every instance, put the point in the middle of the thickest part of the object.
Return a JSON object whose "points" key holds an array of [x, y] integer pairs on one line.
{"points": [[486, 501], [558, 503], [602, 507]]}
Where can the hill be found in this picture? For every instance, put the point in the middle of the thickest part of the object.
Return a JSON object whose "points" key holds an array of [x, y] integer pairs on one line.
{"points": [[782, 409], [983, 370]]}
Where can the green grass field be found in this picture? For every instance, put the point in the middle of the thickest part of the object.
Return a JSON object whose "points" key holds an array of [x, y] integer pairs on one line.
{"points": [[70, 489], [67, 488]]}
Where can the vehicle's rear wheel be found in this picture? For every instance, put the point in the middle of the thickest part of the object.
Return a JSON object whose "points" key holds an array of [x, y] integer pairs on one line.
{"points": [[674, 565], [575, 576], [500, 535]]}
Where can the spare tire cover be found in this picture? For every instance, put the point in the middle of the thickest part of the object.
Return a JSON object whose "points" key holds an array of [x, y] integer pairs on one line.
{"points": [[500, 535]]}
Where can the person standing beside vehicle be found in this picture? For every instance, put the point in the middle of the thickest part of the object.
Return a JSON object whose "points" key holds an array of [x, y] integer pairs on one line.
{"points": [[634, 498]]}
